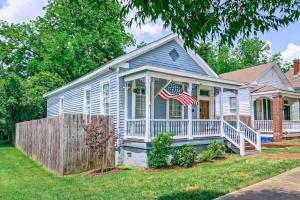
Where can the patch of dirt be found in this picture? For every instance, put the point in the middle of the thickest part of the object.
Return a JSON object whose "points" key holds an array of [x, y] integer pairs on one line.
{"points": [[279, 145], [278, 155], [108, 171]]}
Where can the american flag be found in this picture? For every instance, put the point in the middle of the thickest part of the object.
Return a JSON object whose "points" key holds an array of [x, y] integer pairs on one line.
{"points": [[173, 91]]}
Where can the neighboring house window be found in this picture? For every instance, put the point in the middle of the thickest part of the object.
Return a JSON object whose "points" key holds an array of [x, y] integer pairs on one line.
{"points": [[105, 99], [87, 101], [174, 109], [140, 103], [232, 103], [61, 105]]}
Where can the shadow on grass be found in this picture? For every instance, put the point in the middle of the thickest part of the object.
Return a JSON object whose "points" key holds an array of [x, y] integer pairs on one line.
{"points": [[273, 194], [201, 195], [3, 145]]}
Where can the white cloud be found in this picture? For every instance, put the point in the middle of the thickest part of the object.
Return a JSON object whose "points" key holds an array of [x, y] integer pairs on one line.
{"points": [[292, 51], [16, 11]]}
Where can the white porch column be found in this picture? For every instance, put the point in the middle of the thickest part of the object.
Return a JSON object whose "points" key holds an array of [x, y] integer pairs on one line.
{"points": [[238, 109], [147, 109], [125, 109], [252, 101], [221, 111], [190, 114]]}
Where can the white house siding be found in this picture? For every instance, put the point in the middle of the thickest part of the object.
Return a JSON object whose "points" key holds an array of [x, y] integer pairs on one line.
{"points": [[271, 78], [74, 97], [244, 103]]}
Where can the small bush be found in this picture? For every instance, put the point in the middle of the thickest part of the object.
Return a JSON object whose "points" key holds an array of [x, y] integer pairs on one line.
{"points": [[218, 148], [162, 147], [206, 155], [184, 156]]}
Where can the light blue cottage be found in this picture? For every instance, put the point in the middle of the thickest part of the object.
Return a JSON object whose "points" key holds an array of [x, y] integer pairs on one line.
{"points": [[127, 88]]}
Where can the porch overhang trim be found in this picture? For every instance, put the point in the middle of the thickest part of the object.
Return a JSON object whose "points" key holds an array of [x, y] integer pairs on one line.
{"points": [[278, 92], [175, 74]]}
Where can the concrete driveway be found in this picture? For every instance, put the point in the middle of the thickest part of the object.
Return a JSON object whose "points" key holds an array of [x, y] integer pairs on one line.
{"points": [[285, 186]]}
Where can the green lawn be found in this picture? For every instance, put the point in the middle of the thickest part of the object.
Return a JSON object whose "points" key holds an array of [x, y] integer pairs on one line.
{"points": [[22, 178], [284, 150]]}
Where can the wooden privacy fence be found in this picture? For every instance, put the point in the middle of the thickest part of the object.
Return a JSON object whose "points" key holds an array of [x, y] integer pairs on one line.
{"points": [[59, 143]]}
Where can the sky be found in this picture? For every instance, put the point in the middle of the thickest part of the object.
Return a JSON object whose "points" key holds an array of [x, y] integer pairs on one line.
{"points": [[285, 40]]}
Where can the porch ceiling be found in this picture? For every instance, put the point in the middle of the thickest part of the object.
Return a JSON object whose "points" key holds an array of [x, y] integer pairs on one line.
{"points": [[178, 75], [270, 93]]}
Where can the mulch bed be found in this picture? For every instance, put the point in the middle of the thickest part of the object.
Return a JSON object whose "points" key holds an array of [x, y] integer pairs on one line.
{"points": [[278, 155], [279, 145], [175, 167]]}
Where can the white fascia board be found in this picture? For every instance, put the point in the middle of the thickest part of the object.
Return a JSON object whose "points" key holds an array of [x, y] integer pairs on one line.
{"points": [[198, 59], [180, 73], [278, 92], [113, 63]]}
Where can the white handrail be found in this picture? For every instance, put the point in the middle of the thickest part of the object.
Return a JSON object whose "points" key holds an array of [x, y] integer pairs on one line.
{"points": [[206, 128], [263, 125], [252, 136], [231, 134]]}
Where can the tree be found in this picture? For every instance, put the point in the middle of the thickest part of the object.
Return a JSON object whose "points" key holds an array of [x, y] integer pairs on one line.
{"points": [[38, 85], [211, 19], [71, 39], [248, 52]]}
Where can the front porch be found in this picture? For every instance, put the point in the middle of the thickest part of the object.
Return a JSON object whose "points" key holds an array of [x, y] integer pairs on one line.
{"points": [[147, 114], [276, 112]]}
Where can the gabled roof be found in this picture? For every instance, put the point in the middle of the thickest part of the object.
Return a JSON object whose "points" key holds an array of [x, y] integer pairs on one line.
{"points": [[133, 54], [294, 79], [247, 75]]}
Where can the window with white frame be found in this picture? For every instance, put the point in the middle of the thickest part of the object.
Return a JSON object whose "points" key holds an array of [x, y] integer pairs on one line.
{"points": [[232, 103], [61, 105], [105, 99], [140, 103], [87, 101], [174, 109]]}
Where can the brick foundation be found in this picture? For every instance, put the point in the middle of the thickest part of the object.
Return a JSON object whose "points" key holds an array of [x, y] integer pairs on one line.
{"points": [[277, 117]]}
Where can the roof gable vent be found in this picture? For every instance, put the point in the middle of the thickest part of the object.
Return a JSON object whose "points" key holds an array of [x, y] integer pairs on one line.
{"points": [[174, 54]]}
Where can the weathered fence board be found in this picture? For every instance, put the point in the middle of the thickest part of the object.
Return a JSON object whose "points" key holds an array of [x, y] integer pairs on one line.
{"points": [[59, 143]]}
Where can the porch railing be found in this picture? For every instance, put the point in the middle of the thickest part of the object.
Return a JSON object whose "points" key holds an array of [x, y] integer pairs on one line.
{"points": [[291, 126], [135, 128], [263, 125], [179, 127], [206, 128], [252, 136], [267, 125]]}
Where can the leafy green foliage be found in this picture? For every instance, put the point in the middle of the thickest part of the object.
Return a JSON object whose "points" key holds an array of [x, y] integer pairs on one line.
{"points": [[214, 150], [206, 155], [184, 156], [71, 39], [247, 52], [218, 148], [225, 20], [162, 147]]}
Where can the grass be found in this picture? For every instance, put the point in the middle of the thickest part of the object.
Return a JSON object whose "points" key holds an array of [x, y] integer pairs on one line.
{"points": [[22, 178], [284, 150]]}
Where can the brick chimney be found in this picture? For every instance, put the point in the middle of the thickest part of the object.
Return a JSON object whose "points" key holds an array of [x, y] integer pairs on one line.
{"points": [[296, 66]]}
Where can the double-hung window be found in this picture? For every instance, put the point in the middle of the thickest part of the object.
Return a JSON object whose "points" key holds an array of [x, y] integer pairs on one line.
{"points": [[232, 103], [105, 99], [61, 105], [87, 101], [174, 109], [140, 100]]}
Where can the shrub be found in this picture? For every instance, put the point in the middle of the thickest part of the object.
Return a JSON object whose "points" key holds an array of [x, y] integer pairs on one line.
{"points": [[184, 156], [218, 148], [162, 147], [207, 155]]}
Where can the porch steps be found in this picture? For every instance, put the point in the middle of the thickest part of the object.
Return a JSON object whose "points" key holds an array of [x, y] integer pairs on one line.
{"points": [[249, 148]]}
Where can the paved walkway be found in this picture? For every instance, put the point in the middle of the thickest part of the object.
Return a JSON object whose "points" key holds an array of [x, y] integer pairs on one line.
{"points": [[285, 186]]}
